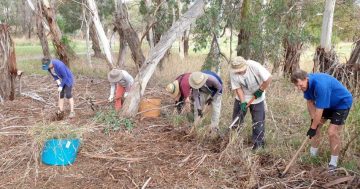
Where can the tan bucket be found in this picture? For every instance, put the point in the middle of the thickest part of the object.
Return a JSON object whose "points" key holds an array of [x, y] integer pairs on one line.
{"points": [[146, 106]]}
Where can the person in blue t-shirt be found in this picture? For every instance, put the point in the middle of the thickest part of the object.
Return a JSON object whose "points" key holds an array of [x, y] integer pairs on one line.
{"points": [[326, 99], [64, 79]]}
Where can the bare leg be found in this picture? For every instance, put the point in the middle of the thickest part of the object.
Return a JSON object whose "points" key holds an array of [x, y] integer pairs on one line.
{"points": [[71, 101], [334, 139], [61, 104]]}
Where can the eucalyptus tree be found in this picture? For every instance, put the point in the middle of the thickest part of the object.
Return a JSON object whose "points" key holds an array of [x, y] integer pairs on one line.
{"points": [[8, 70]]}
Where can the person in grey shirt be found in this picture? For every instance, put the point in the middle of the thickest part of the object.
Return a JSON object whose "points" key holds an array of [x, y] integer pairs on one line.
{"points": [[122, 81], [206, 89]]}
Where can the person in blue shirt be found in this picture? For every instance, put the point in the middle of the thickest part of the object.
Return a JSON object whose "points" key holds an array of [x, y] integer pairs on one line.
{"points": [[326, 99], [64, 79]]}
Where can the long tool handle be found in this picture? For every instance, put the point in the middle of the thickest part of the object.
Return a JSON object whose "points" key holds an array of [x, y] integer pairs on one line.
{"points": [[238, 117], [295, 156]]}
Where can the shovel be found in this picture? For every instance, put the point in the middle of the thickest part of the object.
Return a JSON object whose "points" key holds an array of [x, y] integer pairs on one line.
{"points": [[294, 158], [241, 112]]}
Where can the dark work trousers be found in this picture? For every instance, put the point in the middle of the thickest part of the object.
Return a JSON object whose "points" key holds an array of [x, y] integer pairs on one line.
{"points": [[258, 120]]}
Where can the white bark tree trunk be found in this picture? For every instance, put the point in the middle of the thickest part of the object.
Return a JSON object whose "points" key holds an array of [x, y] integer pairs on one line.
{"points": [[326, 29], [101, 33], [87, 36], [131, 104]]}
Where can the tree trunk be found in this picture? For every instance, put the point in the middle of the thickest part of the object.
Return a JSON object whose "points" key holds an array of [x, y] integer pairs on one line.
{"points": [[292, 46], [87, 19], [213, 58], [100, 31], [186, 42], [292, 56], [95, 41], [8, 70], [243, 48], [150, 34], [325, 57], [122, 24], [131, 104], [40, 27], [62, 50], [326, 29], [122, 50]]}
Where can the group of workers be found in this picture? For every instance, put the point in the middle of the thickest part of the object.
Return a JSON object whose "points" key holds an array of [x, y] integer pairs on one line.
{"points": [[326, 97]]}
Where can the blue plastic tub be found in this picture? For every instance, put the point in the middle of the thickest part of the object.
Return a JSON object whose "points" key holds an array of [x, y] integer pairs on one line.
{"points": [[60, 151]]}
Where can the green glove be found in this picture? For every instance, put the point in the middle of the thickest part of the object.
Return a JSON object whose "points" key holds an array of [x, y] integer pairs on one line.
{"points": [[243, 106], [258, 93]]}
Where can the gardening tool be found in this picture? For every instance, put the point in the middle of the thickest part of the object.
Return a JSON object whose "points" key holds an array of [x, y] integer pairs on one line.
{"points": [[294, 158], [241, 112], [199, 119]]}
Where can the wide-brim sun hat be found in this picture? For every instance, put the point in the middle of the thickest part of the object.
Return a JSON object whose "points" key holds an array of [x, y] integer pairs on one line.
{"points": [[197, 79], [238, 64], [115, 75], [173, 88]]}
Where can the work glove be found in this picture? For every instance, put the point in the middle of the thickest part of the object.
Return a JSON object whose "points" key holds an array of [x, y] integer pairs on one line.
{"points": [[209, 101], [258, 93], [111, 98], [200, 113], [125, 94], [311, 132], [60, 89], [243, 106], [58, 82]]}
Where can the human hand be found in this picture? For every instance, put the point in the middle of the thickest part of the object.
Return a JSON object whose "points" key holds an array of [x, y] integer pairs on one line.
{"points": [[111, 98], [209, 101], [200, 113], [58, 82], [311, 132], [243, 106], [60, 89], [258, 93]]}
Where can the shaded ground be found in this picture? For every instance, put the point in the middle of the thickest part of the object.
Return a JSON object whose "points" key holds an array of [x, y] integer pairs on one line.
{"points": [[154, 149]]}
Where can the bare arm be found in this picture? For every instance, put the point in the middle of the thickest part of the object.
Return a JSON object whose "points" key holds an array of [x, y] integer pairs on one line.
{"points": [[266, 84], [317, 118], [240, 93], [311, 108]]}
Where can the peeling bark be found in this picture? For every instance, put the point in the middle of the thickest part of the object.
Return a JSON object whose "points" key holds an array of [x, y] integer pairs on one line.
{"points": [[8, 70], [122, 24], [61, 49]]}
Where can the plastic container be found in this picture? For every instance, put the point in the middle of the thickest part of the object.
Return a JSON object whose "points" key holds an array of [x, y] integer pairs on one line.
{"points": [[147, 105], [60, 151]]}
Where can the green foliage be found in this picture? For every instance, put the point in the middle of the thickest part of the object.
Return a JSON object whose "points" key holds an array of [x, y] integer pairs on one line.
{"points": [[112, 121], [211, 23], [70, 16]]}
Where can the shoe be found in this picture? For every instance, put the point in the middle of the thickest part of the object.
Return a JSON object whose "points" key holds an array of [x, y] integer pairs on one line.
{"points": [[331, 168], [257, 147], [72, 115]]}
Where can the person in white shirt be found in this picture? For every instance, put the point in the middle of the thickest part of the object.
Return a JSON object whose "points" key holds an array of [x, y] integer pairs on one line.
{"points": [[122, 81], [250, 79]]}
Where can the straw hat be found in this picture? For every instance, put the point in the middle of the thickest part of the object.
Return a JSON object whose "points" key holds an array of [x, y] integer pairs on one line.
{"points": [[115, 75], [173, 88], [238, 64], [197, 79]]}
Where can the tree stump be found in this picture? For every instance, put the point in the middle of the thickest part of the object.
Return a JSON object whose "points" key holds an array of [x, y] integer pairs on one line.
{"points": [[8, 70]]}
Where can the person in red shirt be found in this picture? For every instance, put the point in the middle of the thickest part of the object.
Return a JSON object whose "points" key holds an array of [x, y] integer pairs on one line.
{"points": [[180, 90]]}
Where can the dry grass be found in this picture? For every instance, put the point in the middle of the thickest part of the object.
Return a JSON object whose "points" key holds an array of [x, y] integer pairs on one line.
{"points": [[158, 148]]}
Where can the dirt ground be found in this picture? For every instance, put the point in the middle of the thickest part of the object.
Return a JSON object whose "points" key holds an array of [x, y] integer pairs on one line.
{"points": [[154, 154]]}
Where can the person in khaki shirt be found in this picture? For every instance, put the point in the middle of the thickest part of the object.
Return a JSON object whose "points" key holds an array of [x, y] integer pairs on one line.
{"points": [[250, 79]]}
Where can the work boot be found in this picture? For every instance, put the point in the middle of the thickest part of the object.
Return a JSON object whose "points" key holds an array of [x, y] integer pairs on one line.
{"points": [[331, 168], [72, 114]]}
